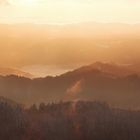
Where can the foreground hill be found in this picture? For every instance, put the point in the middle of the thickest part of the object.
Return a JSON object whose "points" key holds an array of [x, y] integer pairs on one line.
{"points": [[12, 120], [85, 83], [81, 120]]}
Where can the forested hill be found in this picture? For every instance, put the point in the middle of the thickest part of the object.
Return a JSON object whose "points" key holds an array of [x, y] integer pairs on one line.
{"points": [[86, 83], [82, 120]]}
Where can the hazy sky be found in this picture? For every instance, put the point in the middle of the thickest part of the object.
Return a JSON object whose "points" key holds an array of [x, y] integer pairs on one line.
{"points": [[69, 11]]}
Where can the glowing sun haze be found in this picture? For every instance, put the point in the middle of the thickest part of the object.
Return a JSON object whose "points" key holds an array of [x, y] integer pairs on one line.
{"points": [[69, 11], [24, 2]]}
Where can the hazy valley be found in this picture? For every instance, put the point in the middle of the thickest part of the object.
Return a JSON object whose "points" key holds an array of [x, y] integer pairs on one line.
{"points": [[76, 81]]}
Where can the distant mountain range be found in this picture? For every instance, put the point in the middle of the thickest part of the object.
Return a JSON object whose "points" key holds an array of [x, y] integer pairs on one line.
{"points": [[71, 44], [114, 69], [115, 84], [11, 71]]}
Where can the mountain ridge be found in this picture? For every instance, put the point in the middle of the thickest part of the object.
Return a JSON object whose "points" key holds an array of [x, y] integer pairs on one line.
{"points": [[4, 71], [80, 84]]}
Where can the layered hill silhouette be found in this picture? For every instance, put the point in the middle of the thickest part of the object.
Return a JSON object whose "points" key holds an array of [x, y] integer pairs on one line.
{"points": [[119, 85], [114, 69], [12, 71]]}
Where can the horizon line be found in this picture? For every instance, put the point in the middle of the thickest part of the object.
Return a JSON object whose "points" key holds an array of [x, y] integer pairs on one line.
{"points": [[66, 23]]}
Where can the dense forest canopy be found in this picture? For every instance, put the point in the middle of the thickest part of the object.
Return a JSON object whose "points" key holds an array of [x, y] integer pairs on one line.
{"points": [[81, 120]]}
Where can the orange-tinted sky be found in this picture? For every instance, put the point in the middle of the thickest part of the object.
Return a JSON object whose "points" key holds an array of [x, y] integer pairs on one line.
{"points": [[69, 11], [60, 48]]}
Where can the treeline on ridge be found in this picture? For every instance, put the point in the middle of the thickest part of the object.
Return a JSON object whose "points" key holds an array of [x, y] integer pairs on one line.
{"points": [[81, 120]]}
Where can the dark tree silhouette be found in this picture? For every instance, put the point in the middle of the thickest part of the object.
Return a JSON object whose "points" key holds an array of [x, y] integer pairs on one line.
{"points": [[81, 120]]}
